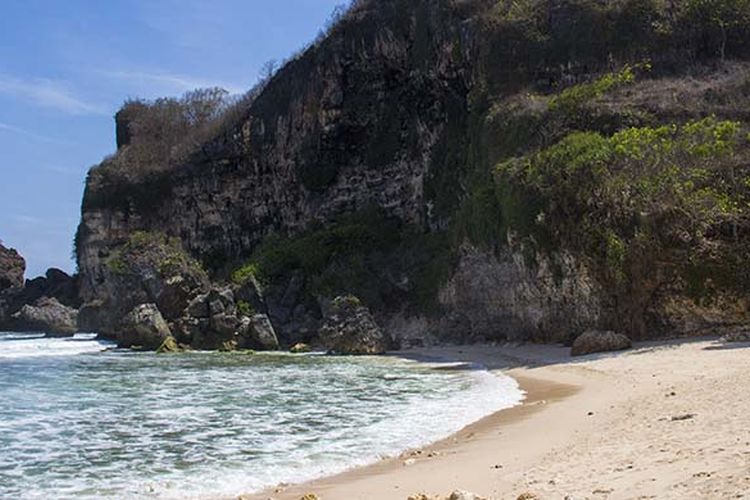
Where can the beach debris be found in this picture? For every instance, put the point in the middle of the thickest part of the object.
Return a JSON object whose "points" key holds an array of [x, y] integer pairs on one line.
{"points": [[409, 461], [592, 341], [310, 496], [681, 418], [497, 466], [464, 495], [169, 345], [300, 348], [421, 496], [527, 496], [590, 414]]}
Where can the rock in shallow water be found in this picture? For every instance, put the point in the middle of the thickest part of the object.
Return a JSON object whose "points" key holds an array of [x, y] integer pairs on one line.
{"points": [[257, 333], [593, 341], [143, 327], [49, 316], [349, 328]]}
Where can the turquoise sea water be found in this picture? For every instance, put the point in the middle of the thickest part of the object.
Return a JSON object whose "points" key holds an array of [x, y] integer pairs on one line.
{"points": [[77, 422]]}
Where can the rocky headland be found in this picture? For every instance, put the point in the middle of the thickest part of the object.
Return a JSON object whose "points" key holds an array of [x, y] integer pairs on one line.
{"points": [[46, 304]]}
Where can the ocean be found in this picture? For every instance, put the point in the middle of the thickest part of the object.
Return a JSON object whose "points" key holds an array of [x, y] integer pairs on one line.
{"points": [[79, 419]]}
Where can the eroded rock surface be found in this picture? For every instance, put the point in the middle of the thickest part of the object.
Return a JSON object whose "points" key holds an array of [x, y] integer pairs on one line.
{"points": [[144, 327], [349, 328], [593, 341], [47, 315]]}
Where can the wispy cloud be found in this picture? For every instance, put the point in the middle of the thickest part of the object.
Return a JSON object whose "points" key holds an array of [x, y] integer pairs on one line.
{"points": [[47, 93], [18, 130], [62, 170], [168, 81]]}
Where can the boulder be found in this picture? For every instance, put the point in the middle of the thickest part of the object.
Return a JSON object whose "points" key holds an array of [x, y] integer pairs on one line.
{"points": [[593, 341], [257, 333], [143, 327], [737, 334], [12, 269], [47, 315], [349, 328]]}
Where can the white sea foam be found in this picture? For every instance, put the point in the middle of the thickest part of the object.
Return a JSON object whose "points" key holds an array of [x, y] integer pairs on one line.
{"points": [[123, 425], [29, 345]]}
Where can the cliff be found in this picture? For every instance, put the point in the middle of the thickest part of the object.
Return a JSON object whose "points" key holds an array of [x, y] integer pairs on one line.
{"points": [[402, 159], [12, 269]]}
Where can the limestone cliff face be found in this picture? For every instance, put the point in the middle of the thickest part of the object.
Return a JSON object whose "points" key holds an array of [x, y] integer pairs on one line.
{"points": [[503, 296], [355, 121], [12, 269], [407, 106]]}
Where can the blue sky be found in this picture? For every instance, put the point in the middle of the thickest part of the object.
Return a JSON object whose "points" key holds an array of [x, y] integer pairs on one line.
{"points": [[67, 65]]}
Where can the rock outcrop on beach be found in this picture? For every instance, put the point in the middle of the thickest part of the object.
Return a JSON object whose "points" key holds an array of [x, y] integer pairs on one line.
{"points": [[349, 328], [470, 170], [143, 328], [592, 341], [215, 321], [46, 315]]}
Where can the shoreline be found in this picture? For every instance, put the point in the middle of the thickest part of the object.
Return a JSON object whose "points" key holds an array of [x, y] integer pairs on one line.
{"points": [[593, 427], [538, 393]]}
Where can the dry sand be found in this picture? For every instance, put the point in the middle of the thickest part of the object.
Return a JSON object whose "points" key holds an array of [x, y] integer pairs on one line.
{"points": [[665, 420]]}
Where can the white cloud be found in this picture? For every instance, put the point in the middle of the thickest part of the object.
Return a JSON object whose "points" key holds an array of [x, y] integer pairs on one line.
{"points": [[168, 81], [47, 93]]}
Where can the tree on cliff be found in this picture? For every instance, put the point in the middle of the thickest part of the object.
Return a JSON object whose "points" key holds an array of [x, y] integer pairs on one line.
{"points": [[159, 130]]}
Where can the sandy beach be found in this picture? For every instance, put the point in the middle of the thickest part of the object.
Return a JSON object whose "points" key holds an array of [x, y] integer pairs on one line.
{"points": [[664, 420]]}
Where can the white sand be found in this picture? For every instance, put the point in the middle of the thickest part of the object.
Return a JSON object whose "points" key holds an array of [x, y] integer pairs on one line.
{"points": [[666, 420]]}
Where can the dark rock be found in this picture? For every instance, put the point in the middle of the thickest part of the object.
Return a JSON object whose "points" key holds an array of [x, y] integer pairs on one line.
{"points": [[143, 327], [90, 315], [599, 341], [737, 334], [198, 307], [47, 315], [225, 325], [55, 284], [251, 293], [349, 328], [257, 333]]}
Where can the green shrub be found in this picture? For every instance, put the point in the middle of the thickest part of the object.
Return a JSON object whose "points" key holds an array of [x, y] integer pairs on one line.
{"points": [[245, 308], [572, 98], [595, 193], [245, 273]]}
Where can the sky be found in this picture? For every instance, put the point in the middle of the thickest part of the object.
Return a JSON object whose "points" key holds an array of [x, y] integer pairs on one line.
{"points": [[66, 66]]}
